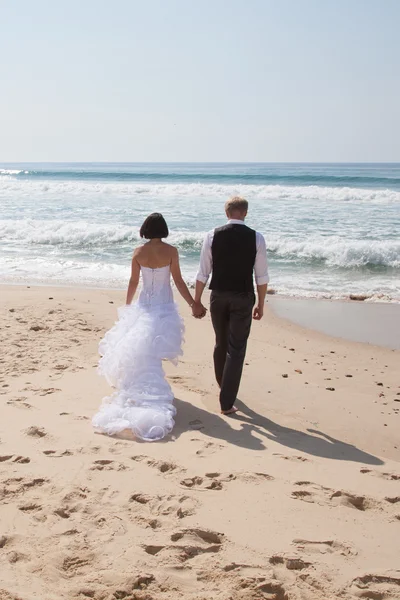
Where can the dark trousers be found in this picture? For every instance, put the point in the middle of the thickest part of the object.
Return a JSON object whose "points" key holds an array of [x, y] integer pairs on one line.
{"points": [[231, 315]]}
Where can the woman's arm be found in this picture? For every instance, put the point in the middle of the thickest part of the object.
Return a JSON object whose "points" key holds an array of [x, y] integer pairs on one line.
{"points": [[177, 277], [134, 280]]}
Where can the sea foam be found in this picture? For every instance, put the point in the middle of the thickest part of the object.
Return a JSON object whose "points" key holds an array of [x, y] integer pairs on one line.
{"points": [[332, 250]]}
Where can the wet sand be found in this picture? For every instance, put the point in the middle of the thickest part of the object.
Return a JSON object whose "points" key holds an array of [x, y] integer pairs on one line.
{"points": [[371, 323]]}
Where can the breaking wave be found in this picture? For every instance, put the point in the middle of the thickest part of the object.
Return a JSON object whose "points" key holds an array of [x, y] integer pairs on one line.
{"points": [[331, 250], [13, 188]]}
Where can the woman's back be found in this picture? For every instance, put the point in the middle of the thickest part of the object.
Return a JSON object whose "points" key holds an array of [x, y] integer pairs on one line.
{"points": [[156, 286], [154, 255]]}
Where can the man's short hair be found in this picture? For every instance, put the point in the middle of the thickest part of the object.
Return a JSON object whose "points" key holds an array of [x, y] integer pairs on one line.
{"points": [[236, 204]]}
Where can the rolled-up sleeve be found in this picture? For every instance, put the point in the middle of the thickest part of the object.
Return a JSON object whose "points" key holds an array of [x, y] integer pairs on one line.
{"points": [[205, 267], [261, 265]]}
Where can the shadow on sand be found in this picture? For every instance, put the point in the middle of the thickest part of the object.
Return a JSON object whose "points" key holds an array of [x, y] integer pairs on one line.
{"points": [[313, 442]]}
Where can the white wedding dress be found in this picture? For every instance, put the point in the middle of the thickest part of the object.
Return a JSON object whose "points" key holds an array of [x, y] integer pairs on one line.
{"points": [[132, 352]]}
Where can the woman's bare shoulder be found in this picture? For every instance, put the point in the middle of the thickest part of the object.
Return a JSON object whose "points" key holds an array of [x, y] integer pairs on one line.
{"points": [[140, 251], [172, 250]]}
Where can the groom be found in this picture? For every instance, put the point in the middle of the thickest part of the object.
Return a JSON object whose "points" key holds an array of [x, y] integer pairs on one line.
{"points": [[232, 253]]}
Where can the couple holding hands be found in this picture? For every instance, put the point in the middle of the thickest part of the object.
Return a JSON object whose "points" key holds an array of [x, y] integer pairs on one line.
{"points": [[151, 330]]}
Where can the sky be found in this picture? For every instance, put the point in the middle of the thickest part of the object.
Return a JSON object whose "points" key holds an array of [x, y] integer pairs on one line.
{"points": [[209, 80]]}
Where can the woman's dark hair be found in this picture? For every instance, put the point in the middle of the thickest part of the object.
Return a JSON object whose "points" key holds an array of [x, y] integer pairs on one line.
{"points": [[154, 226]]}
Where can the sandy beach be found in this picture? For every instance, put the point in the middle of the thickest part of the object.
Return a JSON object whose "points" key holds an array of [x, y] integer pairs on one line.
{"points": [[295, 498]]}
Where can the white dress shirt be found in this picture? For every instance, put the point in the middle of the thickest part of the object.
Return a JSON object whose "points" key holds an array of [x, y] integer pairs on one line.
{"points": [[260, 265]]}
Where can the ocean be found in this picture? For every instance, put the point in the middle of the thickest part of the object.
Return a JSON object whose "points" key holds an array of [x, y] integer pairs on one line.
{"points": [[331, 229]]}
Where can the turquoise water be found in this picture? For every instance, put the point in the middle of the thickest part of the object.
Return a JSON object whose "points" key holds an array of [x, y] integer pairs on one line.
{"points": [[331, 230]]}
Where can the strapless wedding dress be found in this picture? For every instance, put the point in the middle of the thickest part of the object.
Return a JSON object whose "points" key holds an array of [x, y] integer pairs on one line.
{"points": [[146, 333]]}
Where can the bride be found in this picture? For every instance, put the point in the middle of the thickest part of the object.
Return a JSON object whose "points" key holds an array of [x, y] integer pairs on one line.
{"points": [[147, 332]]}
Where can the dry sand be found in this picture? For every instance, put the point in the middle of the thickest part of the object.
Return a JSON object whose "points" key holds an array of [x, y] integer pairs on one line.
{"points": [[297, 497]]}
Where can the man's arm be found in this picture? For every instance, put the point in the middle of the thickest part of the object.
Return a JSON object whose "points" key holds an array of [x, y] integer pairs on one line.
{"points": [[202, 275], [200, 286], [261, 275], [259, 309]]}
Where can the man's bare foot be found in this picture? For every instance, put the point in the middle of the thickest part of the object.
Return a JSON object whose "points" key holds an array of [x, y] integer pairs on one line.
{"points": [[231, 411]]}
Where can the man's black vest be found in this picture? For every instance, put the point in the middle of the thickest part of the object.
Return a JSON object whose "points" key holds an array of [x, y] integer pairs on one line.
{"points": [[234, 250]]}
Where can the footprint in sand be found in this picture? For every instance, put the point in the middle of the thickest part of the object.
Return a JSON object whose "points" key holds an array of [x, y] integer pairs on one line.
{"points": [[292, 457], [134, 587], [112, 525], [108, 465], [5, 595], [160, 465], [19, 402], [324, 547], [46, 391], [76, 564], [186, 544], [159, 506], [215, 481], [388, 476], [378, 586], [207, 448], [73, 502], [196, 425], [30, 507], [253, 477], [88, 450], [57, 453], [63, 513], [187, 384], [18, 486], [33, 509], [4, 541], [69, 532], [211, 481], [291, 563], [61, 367], [36, 432], [265, 588], [325, 496], [23, 460], [393, 499], [14, 557], [250, 582]]}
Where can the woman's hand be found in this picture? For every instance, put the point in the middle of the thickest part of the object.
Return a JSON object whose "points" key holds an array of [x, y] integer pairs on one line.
{"points": [[198, 310]]}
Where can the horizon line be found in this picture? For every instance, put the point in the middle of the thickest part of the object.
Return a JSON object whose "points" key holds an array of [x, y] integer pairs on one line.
{"points": [[196, 162]]}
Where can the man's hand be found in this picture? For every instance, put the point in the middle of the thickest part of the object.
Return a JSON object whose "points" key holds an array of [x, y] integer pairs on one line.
{"points": [[198, 310], [258, 312]]}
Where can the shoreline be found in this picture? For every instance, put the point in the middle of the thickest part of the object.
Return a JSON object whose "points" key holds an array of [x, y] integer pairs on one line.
{"points": [[351, 297], [356, 297], [337, 318]]}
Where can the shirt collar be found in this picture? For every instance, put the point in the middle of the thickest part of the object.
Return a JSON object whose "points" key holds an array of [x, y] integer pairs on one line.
{"points": [[235, 222]]}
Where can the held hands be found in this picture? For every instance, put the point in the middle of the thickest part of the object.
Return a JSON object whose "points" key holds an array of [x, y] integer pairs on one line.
{"points": [[198, 310], [258, 313]]}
